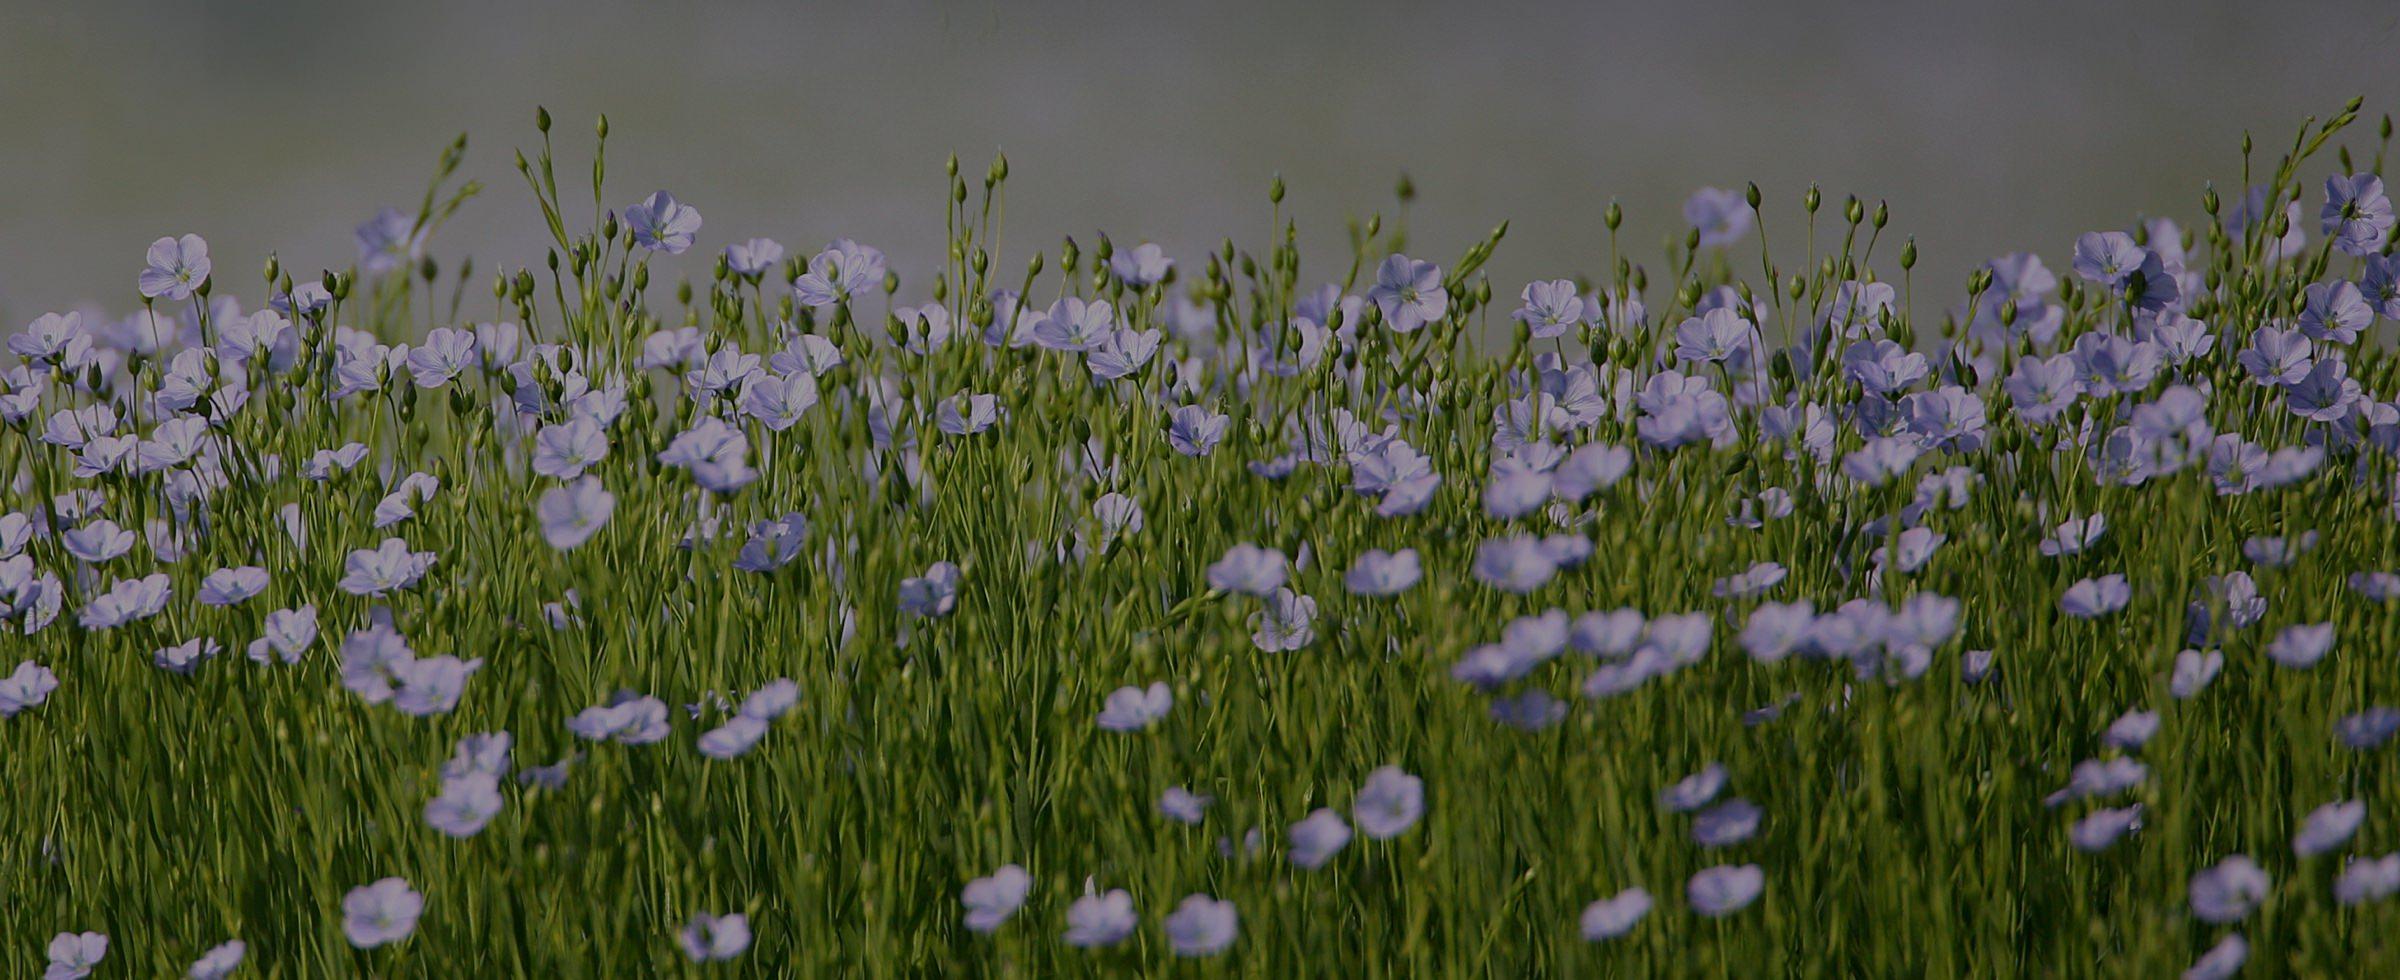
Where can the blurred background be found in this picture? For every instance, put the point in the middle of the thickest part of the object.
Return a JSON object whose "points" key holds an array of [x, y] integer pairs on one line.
{"points": [[1988, 128]]}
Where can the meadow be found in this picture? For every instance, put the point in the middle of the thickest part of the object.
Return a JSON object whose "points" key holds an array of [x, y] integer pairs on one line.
{"points": [[678, 604]]}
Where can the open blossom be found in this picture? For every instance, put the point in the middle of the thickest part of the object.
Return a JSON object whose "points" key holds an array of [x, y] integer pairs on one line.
{"points": [[2227, 891], [1100, 920], [220, 961], [571, 514], [932, 594], [992, 899], [1409, 293], [466, 803], [1131, 709], [1725, 889], [381, 913], [837, 274], [73, 955], [712, 938], [177, 268], [1202, 926], [663, 224], [1614, 916], [1316, 839]]}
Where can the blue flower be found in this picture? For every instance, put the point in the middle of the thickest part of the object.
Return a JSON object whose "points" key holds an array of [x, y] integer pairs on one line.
{"points": [[662, 224]]}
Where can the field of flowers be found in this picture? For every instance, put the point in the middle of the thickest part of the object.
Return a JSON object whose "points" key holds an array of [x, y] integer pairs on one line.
{"points": [[681, 606]]}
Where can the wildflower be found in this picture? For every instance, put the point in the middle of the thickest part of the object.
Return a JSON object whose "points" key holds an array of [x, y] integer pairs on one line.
{"points": [[288, 634], [1694, 791], [177, 268], [2357, 215], [1514, 564], [771, 700], [2228, 890], [1551, 309], [1201, 926], [1100, 920], [990, 900], [382, 913], [1286, 623], [564, 450], [2092, 598], [933, 594], [663, 224], [1184, 806], [466, 803], [430, 686], [1721, 216], [1389, 803], [389, 567], [2300, 647], [571, 514], [1725, 889], [232, 586], [1131, 709], [1614, 916], [2365, 880], [1195, 431], [773, 544], [73, 955], [126, 601], [2328, 827], [1726, 824], [2221, 961], [715, 938], [1248, 569], [220, 961], [1409, 293], [26, 688], [628, 718], [1317, 838], [2100, 830], [1141, 266], [753, 258], [733, 739]]}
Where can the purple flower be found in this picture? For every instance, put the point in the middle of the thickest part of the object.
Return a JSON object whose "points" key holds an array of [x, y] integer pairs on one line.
{"points": [[2109, 258], [715, 938], [1517, 564], [1726, 824], [432, 685], [2334, 312], [2194, 671], [382, 913], [126, 601], [628, 718], [1389, 803], [1141, 266], [2365, 880], [1615, 916], [1249, 570], [2222, 960], [1100, 920], [992, 899], [1721, 216], [571, 514], [2325, 393], [26, 688], [2228, 891], [288, 633], [1551, 309], [2300, 647], [2131, 730], [220, 961], [837, 274], [1285, 623], [389, 567], [2368, 729], [1184, 806], [753, 258], [1725, 889], [663, 224], [2357, 216], [1202, 926], [1718, 335], [2092, 598], [177, 268], [1195, 431], [733, 739], [932, 594], [73, 955], [1316, 839], [1694, 791], [466, 803], [1409, 293], [2100, 830], [2328, 827], [1383, 573], [232, 586], [1131, 709]]}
